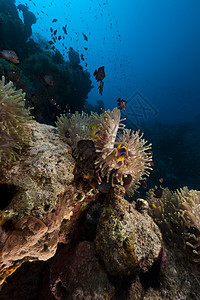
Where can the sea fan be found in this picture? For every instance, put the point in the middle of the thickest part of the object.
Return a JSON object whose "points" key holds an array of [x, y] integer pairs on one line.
{"points": [[13, 117]]}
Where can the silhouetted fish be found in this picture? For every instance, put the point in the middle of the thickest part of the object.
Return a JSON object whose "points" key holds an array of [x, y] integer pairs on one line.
{"points": [[121, 103], [85, 36], [54, 20], [64, 29], [101, 87], [99, 74]]}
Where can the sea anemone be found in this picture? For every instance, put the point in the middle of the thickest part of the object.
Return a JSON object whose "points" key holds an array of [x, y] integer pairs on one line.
{"points": [[122, 156], [178, 216], [73, 129], [13, 117], [189, 213]]}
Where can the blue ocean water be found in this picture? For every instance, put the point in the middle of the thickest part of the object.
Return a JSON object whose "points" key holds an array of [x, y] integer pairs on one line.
{"points": [[150, 50]]}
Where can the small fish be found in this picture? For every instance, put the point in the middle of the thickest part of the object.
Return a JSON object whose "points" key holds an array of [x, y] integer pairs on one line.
{"points": [[50, 42], [52, 101], [143, 183], [104, 187], [82, 57], [54, 20], [86, 48], [55, 31], [86, 176], [51, 29], [99, 74], [101, 87], [121, 103], [68, 106], [64, 29], [121, 153], [48, 79], [68, 114], [15, 68], [158, 192], [14, 76], [10, 55], [85, 36], [59, 38], [94, 130], [58, 107]]}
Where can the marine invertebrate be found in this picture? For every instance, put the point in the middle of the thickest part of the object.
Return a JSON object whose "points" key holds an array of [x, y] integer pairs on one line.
{"points": [[13, 118], [189, 213], [178, 216], [123, 156]]}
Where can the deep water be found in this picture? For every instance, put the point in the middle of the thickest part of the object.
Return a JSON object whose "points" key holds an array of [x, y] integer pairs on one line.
{"points": [[150, 51]]}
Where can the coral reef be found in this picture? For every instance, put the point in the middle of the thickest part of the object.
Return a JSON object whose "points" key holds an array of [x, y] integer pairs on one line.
{"points": [[14, 118], [125, 258], [127, 241], [78, 273], [42, 182], [178, 216], [121, 157]]}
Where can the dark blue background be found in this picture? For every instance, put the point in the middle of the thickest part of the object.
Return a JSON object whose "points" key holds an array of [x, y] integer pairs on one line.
{"points": [[147, 46]]}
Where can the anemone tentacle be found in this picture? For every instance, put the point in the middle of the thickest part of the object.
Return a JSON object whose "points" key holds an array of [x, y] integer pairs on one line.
{"points": [[122, 155]]}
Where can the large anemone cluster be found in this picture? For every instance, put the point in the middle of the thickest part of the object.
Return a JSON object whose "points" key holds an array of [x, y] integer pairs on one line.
{"points": [[178, 216], [121, 156], [13, 117]]}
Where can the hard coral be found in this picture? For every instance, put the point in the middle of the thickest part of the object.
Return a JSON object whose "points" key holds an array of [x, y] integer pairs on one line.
{"points": [[127, 241], [122, 156], [178, 216], [13, 118]]}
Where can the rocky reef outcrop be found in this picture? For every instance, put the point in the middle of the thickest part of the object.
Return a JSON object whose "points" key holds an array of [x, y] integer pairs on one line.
{"points": [[66, 233]]}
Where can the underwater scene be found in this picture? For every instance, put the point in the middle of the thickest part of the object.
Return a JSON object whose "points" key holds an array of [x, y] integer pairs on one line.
{"points": [[99, 150]]}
